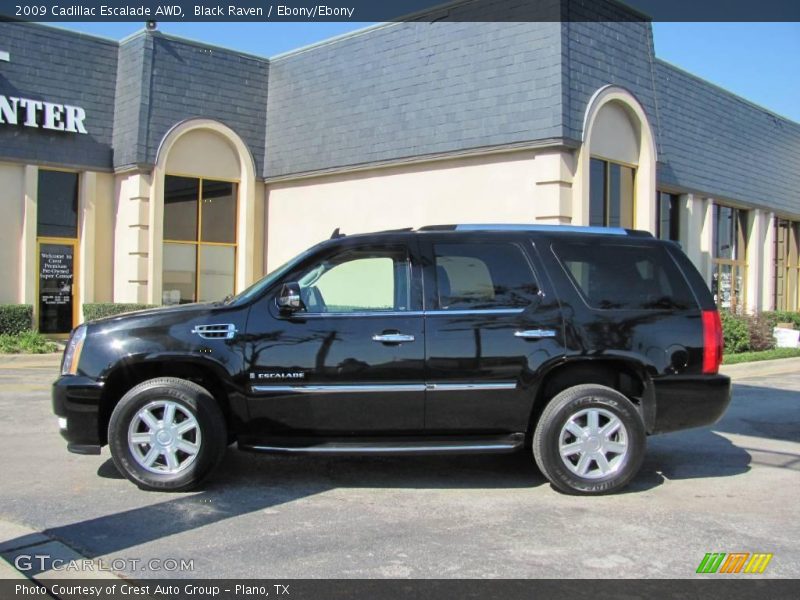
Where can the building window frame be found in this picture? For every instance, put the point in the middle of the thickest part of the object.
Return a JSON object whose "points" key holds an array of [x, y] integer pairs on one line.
{"points": [[608, 164], [787, 265], [74, 242], [197, 242], [673, 232], [733, 268]]}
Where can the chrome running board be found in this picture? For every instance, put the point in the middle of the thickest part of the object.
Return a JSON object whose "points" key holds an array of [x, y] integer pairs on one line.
{"points": [[475, 445]]}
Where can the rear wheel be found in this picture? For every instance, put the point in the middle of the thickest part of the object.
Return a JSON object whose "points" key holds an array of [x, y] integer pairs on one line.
{"points": [[167, 434], [589, 440]]}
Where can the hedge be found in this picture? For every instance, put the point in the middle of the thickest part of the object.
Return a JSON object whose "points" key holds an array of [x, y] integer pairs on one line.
{"points": [[782, 316], [15, 318], [108, 309]]}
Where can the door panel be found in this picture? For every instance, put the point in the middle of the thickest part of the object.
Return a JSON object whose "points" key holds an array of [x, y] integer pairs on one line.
{"points": [[481, 361], [352, 362]]}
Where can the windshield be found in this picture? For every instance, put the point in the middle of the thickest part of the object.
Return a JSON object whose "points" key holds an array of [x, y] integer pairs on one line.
{"points": [[262, 284]]}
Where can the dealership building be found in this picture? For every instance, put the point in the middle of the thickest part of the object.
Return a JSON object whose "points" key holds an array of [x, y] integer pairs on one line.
{"points": [[162, 170]]}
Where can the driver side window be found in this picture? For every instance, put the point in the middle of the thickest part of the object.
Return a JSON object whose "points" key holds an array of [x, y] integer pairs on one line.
{"points": [[358, 280]]}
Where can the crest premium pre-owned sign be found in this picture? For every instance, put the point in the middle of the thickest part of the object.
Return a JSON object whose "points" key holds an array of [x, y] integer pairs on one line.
{"points": [[40, 114]]}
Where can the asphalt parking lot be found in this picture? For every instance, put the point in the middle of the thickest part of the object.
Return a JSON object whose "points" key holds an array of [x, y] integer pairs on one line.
{"points": [[729, 488]]}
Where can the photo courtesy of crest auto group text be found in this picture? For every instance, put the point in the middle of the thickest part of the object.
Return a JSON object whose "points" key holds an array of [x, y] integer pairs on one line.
{"points": [[411, 299]]}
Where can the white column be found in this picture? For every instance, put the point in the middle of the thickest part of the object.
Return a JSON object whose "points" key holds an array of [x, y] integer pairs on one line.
{"points": [[696, 237], [754, 257], [768, 263], [86, 253], [28, 252], [706, 239]]}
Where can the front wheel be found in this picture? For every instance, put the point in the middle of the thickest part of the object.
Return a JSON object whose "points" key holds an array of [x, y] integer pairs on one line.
{"points": [[589, 440], [167, 434]]}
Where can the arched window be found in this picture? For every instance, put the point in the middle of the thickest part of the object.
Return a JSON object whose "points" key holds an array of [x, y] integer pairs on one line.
{"points": [[616, 164]]}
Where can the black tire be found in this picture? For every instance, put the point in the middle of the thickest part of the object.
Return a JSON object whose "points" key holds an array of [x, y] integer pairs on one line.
{"points": [[188, 399], [576, 402]]}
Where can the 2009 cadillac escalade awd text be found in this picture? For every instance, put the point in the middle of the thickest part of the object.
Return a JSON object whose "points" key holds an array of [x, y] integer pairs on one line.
{"points": [[574, 343]]}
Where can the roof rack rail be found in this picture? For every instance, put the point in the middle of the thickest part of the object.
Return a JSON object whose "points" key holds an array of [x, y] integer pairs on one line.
{"points": [[545, 228]]}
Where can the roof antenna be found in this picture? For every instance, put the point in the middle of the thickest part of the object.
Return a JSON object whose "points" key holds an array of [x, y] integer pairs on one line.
{"points": [[336, 234]]}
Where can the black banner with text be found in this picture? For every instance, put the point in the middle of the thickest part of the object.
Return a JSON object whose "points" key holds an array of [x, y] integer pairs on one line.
{"points": [[400, 10]]}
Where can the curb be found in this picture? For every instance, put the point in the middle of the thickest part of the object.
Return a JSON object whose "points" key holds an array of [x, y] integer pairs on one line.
{"points": [[764, 368], [19, 541], [30, 361]]}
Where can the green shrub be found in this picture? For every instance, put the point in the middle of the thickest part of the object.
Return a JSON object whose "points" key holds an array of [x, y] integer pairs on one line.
{"points": [[782, 316], [110, 309], [26, 342], [735, 331], [15, 318]]}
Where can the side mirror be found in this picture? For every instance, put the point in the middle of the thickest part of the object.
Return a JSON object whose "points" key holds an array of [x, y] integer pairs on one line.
{"points": [[289, 298]]}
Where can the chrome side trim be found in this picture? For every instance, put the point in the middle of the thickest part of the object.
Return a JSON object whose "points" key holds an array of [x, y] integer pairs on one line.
{"points": [[377, 313], [339, 389], [355, 449], [413, 313], [477, 311], [376, 388], [466, 387]]}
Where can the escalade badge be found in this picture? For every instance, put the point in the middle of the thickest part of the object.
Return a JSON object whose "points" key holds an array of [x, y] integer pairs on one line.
{"points": [[274, 375]]}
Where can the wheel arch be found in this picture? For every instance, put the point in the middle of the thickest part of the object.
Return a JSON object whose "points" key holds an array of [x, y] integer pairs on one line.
{"points": [[627, 376], [128, 373]]}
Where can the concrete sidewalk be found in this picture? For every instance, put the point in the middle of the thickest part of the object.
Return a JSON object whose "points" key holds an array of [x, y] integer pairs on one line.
{"points": [[764, 368], [30, 361], [38, 552]]}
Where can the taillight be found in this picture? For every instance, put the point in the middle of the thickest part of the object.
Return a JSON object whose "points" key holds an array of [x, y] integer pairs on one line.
{"points": [[712, 342]]}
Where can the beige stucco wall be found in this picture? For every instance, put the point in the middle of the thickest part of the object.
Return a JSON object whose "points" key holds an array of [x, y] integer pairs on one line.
{"points": [[511, 187], [105, 203], [12, 199], [614, 136], [131, 241], [203, 153]]}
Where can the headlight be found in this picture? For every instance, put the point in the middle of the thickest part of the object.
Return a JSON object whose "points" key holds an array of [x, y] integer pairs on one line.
{"points": [[72, 355]]}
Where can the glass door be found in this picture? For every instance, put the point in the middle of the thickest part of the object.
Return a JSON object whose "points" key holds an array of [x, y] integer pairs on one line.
{"points": [[56, 282]]}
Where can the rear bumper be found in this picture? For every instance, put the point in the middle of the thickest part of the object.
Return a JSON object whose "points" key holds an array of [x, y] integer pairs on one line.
{"points": [[76, 401], [687, 401]]}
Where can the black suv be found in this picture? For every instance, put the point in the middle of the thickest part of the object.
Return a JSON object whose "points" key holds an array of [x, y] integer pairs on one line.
{"points": [[572, 342]]}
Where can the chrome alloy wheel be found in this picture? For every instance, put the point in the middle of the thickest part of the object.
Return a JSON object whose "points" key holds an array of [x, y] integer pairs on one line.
{"points": [[593, 443], [164, 437]]}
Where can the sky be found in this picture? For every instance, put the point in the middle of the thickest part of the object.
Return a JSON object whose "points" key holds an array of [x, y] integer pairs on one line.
{"points": [[758, 61]]}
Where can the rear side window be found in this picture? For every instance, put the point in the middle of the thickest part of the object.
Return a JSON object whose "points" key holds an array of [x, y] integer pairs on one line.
{"points": [[483, 276], [625, 277]]}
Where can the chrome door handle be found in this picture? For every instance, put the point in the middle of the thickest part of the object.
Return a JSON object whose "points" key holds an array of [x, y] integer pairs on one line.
{"points": [[535, 334], [392, 338]]}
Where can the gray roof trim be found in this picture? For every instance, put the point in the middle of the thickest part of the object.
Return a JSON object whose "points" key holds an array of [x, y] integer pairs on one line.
{"points": [[411, 160], [725, 91]]}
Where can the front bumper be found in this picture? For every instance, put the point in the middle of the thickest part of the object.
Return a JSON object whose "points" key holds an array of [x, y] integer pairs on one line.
{"points": [[76, 401], [686, 401]]}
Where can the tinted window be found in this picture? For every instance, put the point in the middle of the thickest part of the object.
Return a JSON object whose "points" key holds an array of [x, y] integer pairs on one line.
{"points": [[625, 277], [483, 276], [357, 281], [57, 204], [219, 212], [180, 208]]}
